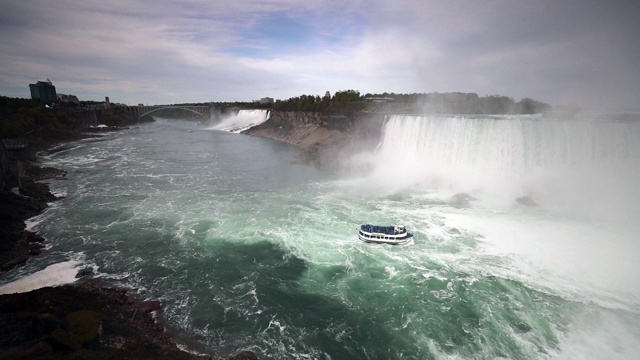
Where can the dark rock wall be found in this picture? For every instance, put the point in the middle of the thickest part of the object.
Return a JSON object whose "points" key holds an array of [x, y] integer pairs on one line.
{"points": [[324, 140]]}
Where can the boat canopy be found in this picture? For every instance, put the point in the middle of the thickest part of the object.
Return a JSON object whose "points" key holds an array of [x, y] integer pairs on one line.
{"points": [[386, 230]]}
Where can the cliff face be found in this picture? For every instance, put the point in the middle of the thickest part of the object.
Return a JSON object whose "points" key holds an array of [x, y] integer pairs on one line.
{"points": [[324, 140]]}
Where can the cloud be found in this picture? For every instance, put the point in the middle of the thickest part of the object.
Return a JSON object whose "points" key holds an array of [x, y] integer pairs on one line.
{"points": [[167, 51]]}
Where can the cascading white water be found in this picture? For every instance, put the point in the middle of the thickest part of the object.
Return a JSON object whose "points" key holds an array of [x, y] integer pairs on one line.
{"points": [[244, 120], [560, 163]]}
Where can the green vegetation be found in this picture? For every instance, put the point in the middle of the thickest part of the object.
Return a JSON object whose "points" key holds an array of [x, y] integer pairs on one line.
{"points": [[42, 126], [116, 116], [20, 117], [10, 105], [342, 102], [351, 101]]}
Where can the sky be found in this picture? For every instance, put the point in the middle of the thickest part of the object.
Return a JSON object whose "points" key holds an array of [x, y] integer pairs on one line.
{"points": [[571, 52]]}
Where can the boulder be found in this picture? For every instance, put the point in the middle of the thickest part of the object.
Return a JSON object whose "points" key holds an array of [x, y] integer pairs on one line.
{"points": [[16, 261], [526, 200]]}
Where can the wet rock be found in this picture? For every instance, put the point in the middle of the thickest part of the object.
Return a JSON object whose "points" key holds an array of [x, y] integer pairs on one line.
{"points": [[15, 242], [46, 323], [463, 196], [83, 321], [32, 237], [81, 330], [38, 191], [244, 355], [39, 350], [149, 306], [84, 272], [461, 200], [15, 262], [37, 173], [526, 200]]}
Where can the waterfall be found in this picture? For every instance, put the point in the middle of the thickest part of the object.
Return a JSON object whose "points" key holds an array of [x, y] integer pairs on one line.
{"points": [[244, 120], [512, 156]]}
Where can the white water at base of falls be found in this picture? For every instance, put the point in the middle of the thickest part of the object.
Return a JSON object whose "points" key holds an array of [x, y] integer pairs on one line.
{"points": [[244, 120]]}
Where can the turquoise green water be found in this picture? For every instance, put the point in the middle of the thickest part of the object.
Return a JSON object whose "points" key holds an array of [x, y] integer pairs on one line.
{"points": [[250, 251]]}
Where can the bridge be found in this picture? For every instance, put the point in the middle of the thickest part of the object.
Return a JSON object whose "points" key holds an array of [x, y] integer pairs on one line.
{"points": [[142, 110]]}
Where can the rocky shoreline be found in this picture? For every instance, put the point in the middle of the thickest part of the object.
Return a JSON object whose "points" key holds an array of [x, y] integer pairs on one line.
{"points": [[323, 139], [82, 320]]}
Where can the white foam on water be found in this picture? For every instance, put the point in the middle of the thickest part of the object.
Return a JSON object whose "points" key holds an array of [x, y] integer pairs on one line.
{"points": [[244, 120], [59, 193], [599, 334], [30, 223], [584, 259], [53, 275]]}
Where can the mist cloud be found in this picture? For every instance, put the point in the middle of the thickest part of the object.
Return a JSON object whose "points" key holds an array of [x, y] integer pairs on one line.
{"points": [[163, 52]]}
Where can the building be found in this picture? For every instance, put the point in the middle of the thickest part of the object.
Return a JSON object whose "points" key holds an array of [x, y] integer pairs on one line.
{"points": [[264, 100], [43, 91], [68, 98]]}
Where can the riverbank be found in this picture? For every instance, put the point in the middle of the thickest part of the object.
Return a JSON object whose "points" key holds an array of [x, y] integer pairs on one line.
{"points": [[81, 320], [31, 198], [323, 139]]}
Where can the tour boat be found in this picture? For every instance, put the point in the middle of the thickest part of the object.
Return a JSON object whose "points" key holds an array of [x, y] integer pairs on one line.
{"points": [[394, 235]]}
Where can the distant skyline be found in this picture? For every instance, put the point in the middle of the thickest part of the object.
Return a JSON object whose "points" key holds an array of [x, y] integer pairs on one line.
{"points": [[579, 52]]}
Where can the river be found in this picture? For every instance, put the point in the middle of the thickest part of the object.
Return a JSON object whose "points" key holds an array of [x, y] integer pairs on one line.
{"points": [[249, 250]]}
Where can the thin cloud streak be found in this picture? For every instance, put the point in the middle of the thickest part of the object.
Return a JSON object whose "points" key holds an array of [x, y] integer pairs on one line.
{"points": [[580, 52]]}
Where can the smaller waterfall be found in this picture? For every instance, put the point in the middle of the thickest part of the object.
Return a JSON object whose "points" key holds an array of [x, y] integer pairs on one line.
{"points": [[244, 120]]}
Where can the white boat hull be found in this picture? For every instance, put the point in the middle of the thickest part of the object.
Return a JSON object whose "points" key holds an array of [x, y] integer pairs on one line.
{"points": [[385, 241]]}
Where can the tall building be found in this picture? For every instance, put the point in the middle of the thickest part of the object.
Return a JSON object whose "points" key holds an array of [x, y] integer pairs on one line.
{"points": [[43, 91]]}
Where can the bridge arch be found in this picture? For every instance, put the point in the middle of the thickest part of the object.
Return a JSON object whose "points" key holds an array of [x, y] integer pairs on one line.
{"points": [[202, 109]]}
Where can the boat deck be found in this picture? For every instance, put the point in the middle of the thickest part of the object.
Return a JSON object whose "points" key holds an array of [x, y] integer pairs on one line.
{"points": [[386, 230]]}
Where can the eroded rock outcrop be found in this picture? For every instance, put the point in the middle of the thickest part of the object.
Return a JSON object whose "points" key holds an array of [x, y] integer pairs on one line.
{"points": [[83, 321], [323, 139]]}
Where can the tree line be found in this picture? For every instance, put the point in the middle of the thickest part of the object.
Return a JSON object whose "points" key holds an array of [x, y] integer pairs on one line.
{"points": [[350, 101], [22, 117]]}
